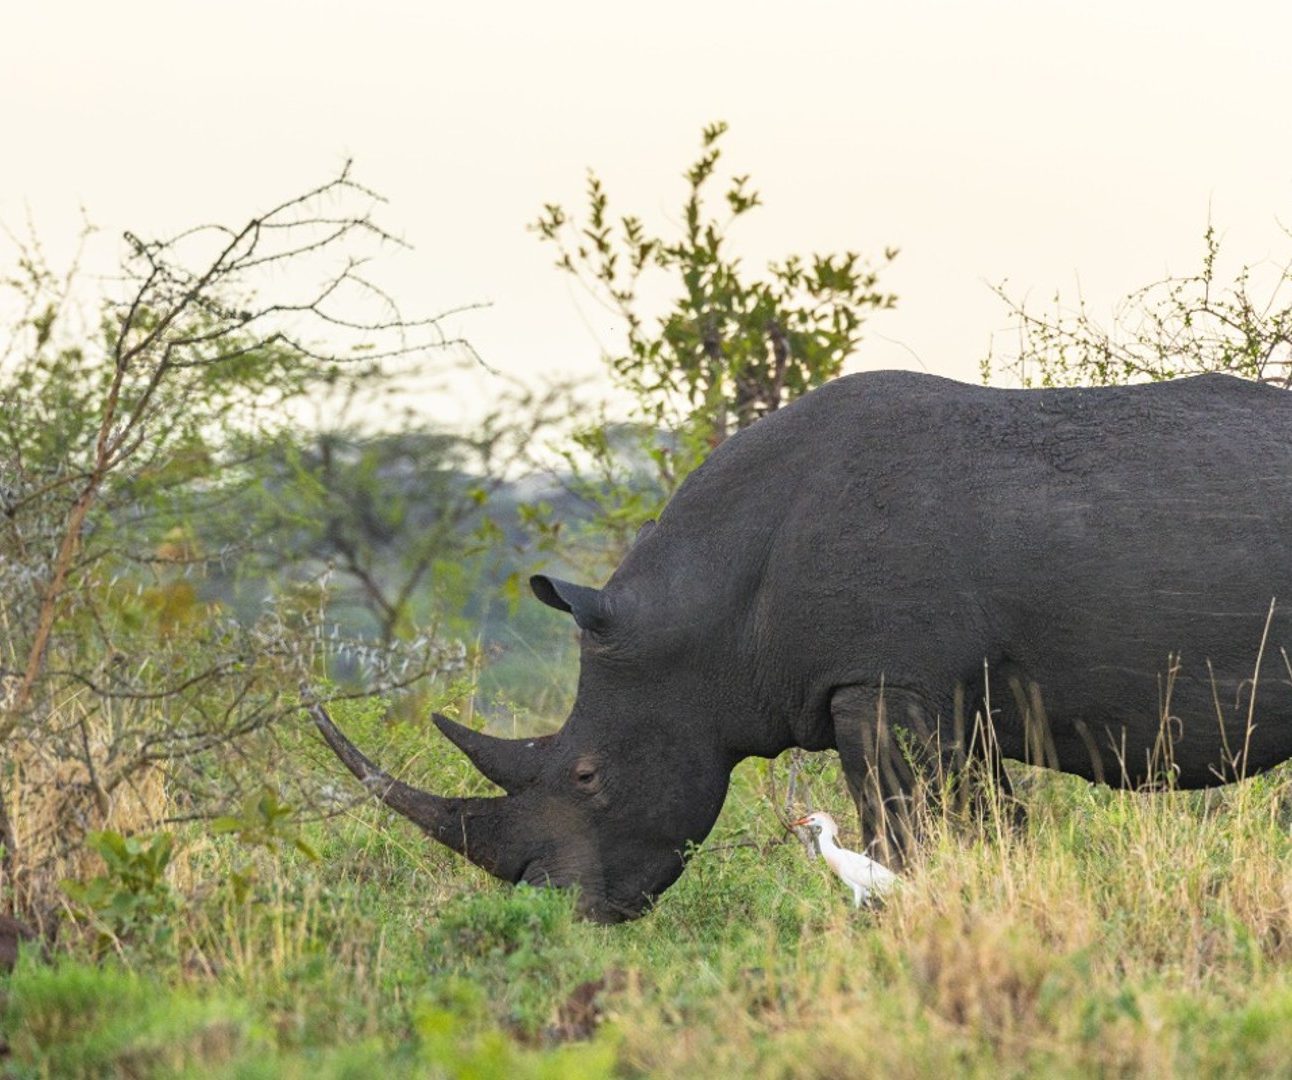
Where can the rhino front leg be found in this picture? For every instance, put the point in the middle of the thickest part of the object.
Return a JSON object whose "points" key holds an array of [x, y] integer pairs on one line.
{"points": [[886, 739], [902, 756]]}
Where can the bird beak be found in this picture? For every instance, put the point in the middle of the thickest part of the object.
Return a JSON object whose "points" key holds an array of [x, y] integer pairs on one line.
{"points": [[796, 824]]}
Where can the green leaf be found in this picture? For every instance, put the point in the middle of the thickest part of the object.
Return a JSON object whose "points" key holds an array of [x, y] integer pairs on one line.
{"points": [[305, 849]]}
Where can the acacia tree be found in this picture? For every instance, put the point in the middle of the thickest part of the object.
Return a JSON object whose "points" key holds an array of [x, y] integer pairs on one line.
{"points": [[398, 516], [730, 347], [113, 440]]}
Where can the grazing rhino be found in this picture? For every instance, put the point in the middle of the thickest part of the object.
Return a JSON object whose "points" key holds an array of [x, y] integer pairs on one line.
{"points": [[867, 567]]}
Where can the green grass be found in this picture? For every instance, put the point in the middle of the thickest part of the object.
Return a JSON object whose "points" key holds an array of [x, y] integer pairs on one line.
{"points": [[1115, 933]]}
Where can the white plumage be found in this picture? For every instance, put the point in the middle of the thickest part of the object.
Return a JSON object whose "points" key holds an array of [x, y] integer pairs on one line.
{"points": [[859, 872]]}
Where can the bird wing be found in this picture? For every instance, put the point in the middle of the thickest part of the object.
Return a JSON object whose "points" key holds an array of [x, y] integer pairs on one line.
{"points": [[861, 871]]}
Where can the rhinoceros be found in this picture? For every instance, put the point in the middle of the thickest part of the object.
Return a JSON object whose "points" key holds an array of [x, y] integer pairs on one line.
{"points": [[892, 555]]}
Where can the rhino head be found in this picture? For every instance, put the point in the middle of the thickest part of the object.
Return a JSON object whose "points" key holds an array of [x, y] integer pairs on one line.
{"points": [[609, 804]]}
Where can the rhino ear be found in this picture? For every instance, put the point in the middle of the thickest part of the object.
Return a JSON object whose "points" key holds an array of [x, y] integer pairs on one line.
{"points": [[584, 603]]}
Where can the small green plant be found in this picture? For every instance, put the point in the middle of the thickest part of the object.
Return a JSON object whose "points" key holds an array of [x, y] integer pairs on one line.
{"points": [[268, 822], [502, 923], [451, 1047], [133, 900], [265, 822], [95, 1020]]}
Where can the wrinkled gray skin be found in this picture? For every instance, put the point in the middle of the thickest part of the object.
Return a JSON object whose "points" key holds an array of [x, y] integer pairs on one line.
{"points": [[898, 551]]}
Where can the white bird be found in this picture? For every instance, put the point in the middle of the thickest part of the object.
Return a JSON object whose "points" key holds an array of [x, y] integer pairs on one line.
{"points": [[861, 873]]}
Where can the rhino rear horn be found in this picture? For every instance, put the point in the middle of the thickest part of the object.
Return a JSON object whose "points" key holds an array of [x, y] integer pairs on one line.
{"points": [[482, 830], [512, 764], [586, 604]]}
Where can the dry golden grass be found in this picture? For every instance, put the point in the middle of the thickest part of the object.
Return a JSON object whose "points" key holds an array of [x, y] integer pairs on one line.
{"points": [[56, 799], [1119, 933]]}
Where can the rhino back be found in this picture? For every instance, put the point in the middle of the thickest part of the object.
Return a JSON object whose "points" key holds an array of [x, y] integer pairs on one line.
{"points": [[905, 528]]}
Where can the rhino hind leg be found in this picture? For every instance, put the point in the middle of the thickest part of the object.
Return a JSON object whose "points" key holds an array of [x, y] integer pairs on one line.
{"points": [[974, 772]]}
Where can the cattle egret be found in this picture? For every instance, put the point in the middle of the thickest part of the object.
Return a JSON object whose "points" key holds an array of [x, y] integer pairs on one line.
{"points": [[861, 873]]}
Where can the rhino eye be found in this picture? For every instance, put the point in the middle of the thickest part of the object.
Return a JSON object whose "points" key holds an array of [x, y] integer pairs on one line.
{"points": [[586, 775]]}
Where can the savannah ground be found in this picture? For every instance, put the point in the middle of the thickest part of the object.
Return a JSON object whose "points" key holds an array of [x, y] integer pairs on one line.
{"points": [[1115, 933]]}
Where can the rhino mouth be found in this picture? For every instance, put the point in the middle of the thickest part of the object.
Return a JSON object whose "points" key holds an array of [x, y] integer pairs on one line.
{"points": [[533, 874], [610, 910], [591, 904]]}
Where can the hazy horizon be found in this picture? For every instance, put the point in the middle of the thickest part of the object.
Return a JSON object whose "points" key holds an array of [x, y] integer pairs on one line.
{"points": [[1046, 147]]}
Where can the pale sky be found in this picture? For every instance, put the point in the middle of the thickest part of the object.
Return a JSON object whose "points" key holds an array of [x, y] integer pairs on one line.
{"points": [[1047, 144]]}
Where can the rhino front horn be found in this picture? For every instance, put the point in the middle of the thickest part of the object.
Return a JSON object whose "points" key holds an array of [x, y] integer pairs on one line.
{"points": [[482, 830], [512, 764]]}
